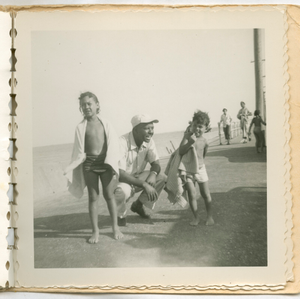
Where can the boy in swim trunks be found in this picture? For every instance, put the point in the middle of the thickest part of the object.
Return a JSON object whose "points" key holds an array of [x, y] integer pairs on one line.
{"points": [[95, 155], [193, 138]]}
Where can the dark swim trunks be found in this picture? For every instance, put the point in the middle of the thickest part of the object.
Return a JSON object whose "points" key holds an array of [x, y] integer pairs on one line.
{"points": [[95, 164]]}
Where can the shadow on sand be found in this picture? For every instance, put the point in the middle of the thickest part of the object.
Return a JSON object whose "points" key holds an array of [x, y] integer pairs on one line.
{"points": [[238, 238], [238, 155]]}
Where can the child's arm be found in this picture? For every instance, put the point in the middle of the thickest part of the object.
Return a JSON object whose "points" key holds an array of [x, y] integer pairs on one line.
{"points": [[187, 141], [205, 149], [252, 122], [262, 121]]}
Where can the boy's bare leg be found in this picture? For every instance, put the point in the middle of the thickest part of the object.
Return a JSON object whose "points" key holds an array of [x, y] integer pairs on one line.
{"points": [[108, 186], [205, 193], [92, 182], [191, 190]]}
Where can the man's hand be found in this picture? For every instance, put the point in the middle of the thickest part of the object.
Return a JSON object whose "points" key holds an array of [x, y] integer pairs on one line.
{"points": [[151, 179], [150, 191]]}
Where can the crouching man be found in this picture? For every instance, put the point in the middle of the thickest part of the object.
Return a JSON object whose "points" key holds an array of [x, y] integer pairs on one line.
{"points": [[137, 148]]}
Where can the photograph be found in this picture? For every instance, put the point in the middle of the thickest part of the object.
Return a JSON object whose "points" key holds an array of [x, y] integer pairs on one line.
{"points": [[149, 148], [145, 157]]}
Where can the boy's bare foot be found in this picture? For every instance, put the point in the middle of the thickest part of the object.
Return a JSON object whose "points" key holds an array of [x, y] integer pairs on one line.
{"points": [[117, 234], [210, 221], [195, 222], [94, 238]]}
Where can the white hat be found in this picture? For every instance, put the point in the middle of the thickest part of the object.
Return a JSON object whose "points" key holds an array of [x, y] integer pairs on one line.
{"points": [[142, 119]]}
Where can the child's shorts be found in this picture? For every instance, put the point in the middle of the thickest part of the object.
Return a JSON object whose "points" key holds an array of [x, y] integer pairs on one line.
{"points": [[200, 177]]}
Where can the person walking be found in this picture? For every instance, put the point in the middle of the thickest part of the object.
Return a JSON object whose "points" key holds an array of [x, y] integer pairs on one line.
{"points": [[226, 122]]}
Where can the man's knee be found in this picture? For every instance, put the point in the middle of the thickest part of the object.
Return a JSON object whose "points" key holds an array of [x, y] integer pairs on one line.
{"points": [[161, 178], [122, 192]]}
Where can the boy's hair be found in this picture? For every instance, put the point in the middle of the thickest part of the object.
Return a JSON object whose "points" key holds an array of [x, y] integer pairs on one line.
{"points": [[242, 103], [256, 112], [201, 118], [89, 95]]}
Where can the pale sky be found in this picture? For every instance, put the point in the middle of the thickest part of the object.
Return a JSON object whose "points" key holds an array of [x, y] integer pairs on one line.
{"points": [[166, 74]]}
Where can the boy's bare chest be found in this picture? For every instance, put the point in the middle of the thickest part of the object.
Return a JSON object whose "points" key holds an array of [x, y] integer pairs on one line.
{"points": [[199, 146], [200, 143], [94, 130]]}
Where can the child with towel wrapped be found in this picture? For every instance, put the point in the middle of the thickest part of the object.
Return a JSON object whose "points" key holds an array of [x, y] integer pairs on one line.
{"points": [[95, 154], [186, 168], [193, 138]]}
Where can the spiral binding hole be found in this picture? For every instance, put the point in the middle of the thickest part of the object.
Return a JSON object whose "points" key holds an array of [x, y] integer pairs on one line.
{"points": [[12, 149], [7, 265], [12, 193], [12, 104], [8, 215], [13, 60], [13, 81], [13, 33]]}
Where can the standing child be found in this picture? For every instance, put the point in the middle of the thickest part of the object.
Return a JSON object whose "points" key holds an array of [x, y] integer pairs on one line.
{"points": [[193, 137], [95, 154], [258, 133], [226, 121]]}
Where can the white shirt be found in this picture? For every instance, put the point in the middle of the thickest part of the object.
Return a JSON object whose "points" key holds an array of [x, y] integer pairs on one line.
{"points": [[133, 160], [226, 120]]}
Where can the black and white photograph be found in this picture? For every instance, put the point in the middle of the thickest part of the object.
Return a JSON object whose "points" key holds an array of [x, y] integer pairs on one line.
{"points": [[150, 145], [199, 94]]}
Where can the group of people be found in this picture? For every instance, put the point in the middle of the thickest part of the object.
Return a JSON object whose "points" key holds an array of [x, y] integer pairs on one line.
{"points": [[243, 116], [120, 164]]}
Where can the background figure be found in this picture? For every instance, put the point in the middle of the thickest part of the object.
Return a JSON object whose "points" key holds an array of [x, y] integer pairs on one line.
{"points": [[226, 121], [243, 117], [258, 132]]}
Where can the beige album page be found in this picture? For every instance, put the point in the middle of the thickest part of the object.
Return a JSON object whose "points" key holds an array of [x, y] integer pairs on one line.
{"points": [[166, 64]]}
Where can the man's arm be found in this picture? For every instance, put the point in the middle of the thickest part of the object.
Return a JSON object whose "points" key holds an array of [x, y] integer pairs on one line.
{"points": [[131, 180], [155, 167], [154, 171], [127, 178]]}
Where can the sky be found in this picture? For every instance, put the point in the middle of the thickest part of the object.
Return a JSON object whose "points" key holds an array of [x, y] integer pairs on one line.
{"points": [[167, 74]]}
